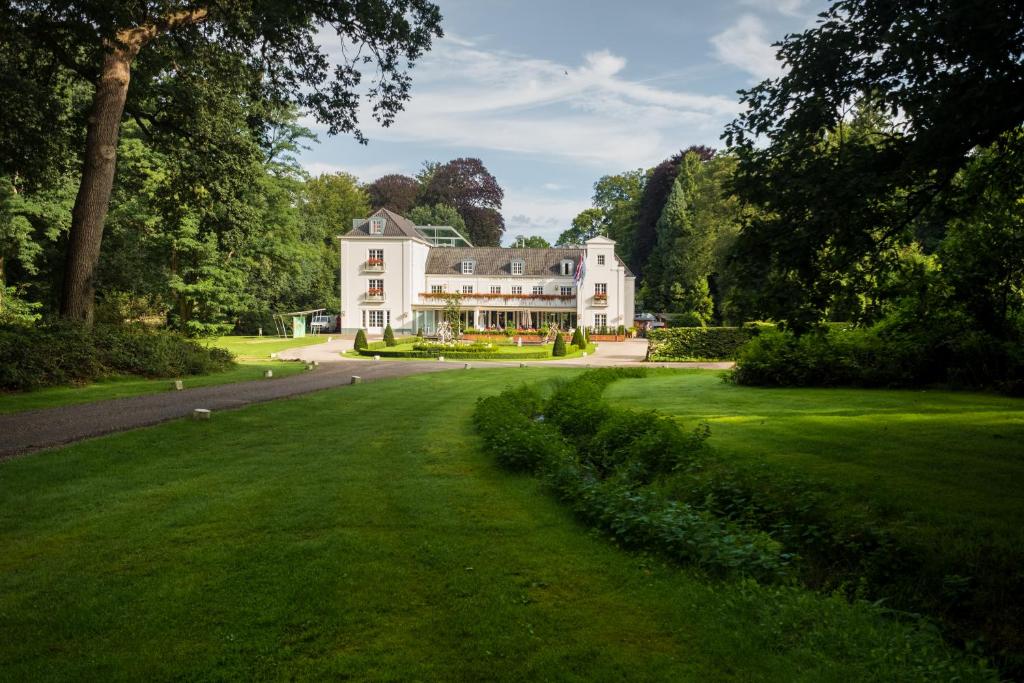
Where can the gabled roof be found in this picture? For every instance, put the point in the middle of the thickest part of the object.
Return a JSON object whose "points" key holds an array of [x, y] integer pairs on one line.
{"points": [[498, 260], [394, 226]]}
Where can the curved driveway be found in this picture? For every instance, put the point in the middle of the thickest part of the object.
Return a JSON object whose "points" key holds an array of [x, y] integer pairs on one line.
{"points": [[33, 430]]}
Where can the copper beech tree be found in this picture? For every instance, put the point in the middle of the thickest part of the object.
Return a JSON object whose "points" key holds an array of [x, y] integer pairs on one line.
{"points": [[123, 49]]}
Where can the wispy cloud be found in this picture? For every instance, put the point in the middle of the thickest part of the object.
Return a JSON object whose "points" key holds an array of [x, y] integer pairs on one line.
{"points": [[791, 8], [470, 97], [747, 45]]}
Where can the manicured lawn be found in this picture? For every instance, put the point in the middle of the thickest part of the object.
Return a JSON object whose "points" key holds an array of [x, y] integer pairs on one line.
{"points": [[953, 460], [129, 385], [359, 533], [260, 348], [512, 351]]}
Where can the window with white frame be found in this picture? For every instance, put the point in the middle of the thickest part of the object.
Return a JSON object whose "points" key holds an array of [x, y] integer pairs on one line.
{"points": [[600, 290], [600, 259], [375, 255], [375, 287], [377, 226], [538, 289], [495, 289], [467, 267], [518, 267], [600, 320], [565, 291], [377, 318], [467, 289], [436, 289], [566, 268], [517, 289]]}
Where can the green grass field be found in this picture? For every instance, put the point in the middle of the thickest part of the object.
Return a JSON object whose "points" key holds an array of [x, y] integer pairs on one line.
{"points": [[952, 460], [359, 533], [253, 355], [510, 351], [260, 348]]}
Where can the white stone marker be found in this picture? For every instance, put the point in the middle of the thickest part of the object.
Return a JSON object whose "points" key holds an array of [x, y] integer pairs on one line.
{"points": [[268, 374], [440, 358], [356, 379], [584, 354], [468, 366], [179, 385], [201, 414], [376, 357]]}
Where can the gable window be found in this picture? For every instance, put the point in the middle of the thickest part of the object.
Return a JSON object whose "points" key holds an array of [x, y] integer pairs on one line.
{"points": [[517, 289], [538, 289], [495, 289], [600, 259], [377, 226], [436, 289], [467, 289], [467, 267], [518, 267], [565, 291]]}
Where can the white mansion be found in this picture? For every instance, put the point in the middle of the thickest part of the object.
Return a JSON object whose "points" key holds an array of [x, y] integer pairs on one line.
{"points": [[394, 272]]}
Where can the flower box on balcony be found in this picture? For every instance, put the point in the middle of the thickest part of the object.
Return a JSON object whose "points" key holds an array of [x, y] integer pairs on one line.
{"points": [[600, 299], [375, 265], [375, 294]]}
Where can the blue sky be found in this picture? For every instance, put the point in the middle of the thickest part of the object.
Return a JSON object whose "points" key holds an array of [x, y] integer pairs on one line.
{"points": [[553, 94]]}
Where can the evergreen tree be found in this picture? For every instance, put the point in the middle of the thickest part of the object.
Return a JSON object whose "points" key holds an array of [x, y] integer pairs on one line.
{"points": [[389, 336], [578, 340], [360, 342], [559, 347]]}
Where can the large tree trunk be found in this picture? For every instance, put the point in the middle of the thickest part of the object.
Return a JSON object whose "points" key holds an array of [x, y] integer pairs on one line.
{"points": [[93, 198]]}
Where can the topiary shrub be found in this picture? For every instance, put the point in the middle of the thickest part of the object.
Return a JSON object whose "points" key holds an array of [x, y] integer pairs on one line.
{"points": [[559, 347], [420, 333], [578, 340], [360, 342], [389, 336]]}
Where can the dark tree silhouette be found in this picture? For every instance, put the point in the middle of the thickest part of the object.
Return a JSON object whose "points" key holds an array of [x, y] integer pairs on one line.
{"points": [[467, 185]]}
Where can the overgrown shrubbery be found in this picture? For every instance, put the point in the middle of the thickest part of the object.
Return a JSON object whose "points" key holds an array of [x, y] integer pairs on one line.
{"points": [[32, 357], [888, 354], [649, 484], [598, 460], [698, 343]]}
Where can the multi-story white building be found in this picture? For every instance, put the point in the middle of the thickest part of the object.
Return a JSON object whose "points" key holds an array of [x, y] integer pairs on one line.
{"points": [[394, 272]]}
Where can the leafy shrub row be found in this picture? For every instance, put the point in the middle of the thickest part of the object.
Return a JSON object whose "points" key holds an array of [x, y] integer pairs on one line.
{"points": [[383, 344], [597, 459], [492, 354], [65, 353], [437, 348], [698, 343], [885, 355]]}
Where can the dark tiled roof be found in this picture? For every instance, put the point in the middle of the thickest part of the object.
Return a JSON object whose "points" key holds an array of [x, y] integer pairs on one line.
{"points": [[498, 260], [395, 226]]}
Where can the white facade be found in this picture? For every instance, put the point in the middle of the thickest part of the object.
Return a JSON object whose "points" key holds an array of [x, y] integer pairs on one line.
{"points": [[397, 277]]}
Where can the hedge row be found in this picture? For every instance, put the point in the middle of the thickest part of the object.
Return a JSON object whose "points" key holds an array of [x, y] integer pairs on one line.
{"points": [[399, 340], [598, 459], [65, 353], [523, 355], [698, 343]]}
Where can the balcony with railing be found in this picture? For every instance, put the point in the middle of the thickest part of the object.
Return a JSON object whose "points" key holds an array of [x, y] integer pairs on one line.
{"points": [[374, 295], [373, 265], [600, 299], [481, 299]]}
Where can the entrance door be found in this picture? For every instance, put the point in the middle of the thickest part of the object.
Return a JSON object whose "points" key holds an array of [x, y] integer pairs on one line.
{"points": [[376, 321]]}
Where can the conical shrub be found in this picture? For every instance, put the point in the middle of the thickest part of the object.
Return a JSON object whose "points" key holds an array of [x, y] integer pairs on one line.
{"points": [[389, 336], [559, 347], [360, 342]]}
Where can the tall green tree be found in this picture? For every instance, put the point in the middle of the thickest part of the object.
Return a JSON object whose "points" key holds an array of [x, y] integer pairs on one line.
{"points": [[947, 78], [129, 51], [618, 198], [587, 224], [531, 242]]}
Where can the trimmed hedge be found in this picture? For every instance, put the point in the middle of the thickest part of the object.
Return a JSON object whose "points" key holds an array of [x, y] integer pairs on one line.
{"points": [[382, 344], [66, 353], [598, 460], [456, 355], [698, 343]]}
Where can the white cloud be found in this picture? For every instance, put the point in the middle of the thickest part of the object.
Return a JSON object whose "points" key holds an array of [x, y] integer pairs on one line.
{"points": [[528, 213], [746, 45], [468, 97], [365, 173], [792, 8]]}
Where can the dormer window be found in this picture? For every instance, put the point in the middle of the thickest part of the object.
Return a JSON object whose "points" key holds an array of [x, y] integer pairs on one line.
{"points": [[467, 267], [518, 267], [566, 268], [377, 226]]}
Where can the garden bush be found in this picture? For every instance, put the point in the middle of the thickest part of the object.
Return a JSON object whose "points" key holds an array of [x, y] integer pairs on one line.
{"points": [[65, 353], [389, 336], [360, 342], [558, 349], [578, 339], [698, 343]]}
